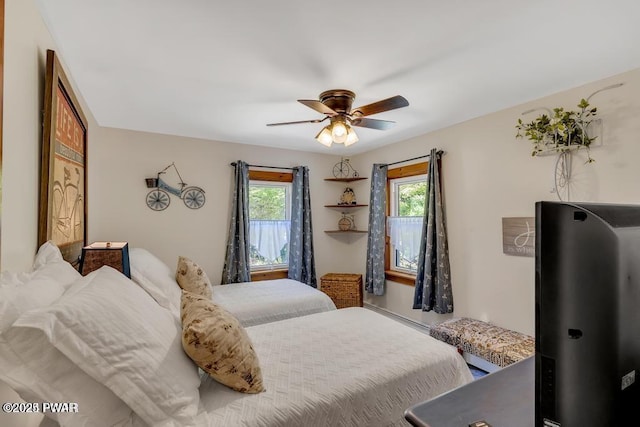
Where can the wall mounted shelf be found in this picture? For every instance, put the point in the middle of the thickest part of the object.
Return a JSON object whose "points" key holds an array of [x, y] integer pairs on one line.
{"points": [[345, 206], [356, 178], [346, 223]]}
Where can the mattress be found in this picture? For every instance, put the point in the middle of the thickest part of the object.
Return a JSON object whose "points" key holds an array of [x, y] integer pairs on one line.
{"points": [[346, 367], [255, 303]]}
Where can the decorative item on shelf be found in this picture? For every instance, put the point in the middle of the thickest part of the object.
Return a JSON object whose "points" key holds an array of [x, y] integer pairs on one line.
{"points": [[346, 223], [158, 199], [348, 197], [343, 169], [344, 172], [98, 254]]}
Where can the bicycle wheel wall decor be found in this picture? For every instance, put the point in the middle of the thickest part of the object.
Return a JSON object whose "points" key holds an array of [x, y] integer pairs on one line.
{"points": [[193, 197], [574, 179], [158, 200]]}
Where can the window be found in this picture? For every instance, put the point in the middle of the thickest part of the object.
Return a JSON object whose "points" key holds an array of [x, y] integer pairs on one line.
{"points": [[404, 224], [269, 220], [407, 188]]}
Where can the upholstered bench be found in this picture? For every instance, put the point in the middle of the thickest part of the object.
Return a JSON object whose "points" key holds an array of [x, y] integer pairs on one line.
{"points": [[497, 345]]}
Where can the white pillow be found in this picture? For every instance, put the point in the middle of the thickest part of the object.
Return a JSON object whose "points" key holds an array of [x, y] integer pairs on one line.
{"points": [[44, 287], [155, 277], [47, 253], [31, 365], [9, 278], [39, 372], [122, 338]]}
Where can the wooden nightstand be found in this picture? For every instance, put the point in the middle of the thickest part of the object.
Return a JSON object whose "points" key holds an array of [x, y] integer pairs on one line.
{"points": [[113, 254], [345, 290]]}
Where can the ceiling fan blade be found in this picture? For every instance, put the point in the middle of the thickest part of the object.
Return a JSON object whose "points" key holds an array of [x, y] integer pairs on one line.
{"points": [[380, 106], [295, 123], [318, 106], [373, 123]]}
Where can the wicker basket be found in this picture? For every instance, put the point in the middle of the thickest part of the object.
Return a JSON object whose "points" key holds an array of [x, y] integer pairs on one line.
{"points": [[151, 182], [345, 290]]}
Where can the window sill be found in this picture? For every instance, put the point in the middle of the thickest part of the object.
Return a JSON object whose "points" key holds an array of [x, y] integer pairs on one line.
{"points": [[259, 275], [403, 278]]}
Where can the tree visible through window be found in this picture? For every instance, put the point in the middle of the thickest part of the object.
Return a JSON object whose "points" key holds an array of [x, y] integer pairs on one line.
{"points": [[411, 198], [267, 201], [269, 224]]}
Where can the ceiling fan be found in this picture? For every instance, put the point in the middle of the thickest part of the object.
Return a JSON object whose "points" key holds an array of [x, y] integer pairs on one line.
{"points": [[335, 104]]}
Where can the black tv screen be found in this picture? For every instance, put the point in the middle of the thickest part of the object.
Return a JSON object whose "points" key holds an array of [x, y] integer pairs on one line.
{"points": [[587, 315]]}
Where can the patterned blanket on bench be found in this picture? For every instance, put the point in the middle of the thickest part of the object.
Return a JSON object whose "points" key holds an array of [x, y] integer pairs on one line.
{"points": [[497, 345]]}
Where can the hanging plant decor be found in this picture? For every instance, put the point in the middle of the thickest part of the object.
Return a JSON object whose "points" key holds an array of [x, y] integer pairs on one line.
{"points": [[560, 131]]}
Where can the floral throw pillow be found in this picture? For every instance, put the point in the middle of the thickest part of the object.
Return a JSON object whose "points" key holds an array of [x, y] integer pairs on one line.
{"points": [[218, 344], [192, 278]]}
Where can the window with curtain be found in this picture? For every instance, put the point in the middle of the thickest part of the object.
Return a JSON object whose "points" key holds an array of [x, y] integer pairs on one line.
{"points": [[269, 220], [407, 189], [404, 224]]}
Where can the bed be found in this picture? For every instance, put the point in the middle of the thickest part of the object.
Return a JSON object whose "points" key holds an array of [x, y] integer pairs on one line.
{"points": [[253, 303], [108, 346], [349, 367]]}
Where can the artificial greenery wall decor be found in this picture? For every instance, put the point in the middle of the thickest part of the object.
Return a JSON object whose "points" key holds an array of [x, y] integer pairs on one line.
{"points": [[560, 131]]}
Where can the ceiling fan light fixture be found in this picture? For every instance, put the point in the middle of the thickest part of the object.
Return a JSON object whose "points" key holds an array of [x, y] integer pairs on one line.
{"points": [[336, 104], [339, 131], [324, 136], [352, 138]]}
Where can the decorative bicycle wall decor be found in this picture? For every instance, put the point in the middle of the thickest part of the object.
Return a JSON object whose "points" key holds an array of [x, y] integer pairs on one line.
{"points": [[158, 199], [344, 169], [563, 132]]}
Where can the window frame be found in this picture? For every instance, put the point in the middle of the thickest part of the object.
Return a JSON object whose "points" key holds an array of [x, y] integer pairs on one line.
{"points": [[415, 169], [394, 207], [269, 176]]}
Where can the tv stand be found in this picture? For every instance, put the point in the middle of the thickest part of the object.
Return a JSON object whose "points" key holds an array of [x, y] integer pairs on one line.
{"points": [[503, 398]]}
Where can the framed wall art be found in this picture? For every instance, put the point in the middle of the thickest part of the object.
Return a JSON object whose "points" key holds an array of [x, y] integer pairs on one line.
{"points": [[63, 184]]}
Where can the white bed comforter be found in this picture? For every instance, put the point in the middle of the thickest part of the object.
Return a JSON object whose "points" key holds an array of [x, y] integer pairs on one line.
{"points": [[255, 303], [349, 367]]}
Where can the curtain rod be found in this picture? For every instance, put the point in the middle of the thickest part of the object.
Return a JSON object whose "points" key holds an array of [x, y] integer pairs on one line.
{"points": [[266, 167], [440, 152]]}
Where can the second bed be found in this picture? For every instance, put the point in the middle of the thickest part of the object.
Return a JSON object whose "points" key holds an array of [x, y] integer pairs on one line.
{"points": [[252, 303]]}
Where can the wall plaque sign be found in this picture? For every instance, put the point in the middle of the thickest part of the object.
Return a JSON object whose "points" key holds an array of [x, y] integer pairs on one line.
{"points": [[518, 236]]}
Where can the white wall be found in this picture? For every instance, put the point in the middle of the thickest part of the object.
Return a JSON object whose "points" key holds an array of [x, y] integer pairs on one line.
{"points": [[26, 43], [488, 174], [119, 160]]}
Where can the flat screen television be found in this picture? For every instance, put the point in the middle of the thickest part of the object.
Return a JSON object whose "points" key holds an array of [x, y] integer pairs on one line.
{"points": [[587, 315]]}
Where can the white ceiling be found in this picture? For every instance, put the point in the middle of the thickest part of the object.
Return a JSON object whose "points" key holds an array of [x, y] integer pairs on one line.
{"points": [[221, 70]]}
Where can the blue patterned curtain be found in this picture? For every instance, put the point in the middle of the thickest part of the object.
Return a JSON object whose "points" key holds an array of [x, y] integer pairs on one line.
{"points": [[374, 278], [433, 281], [302, 265], [237, 266]]}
